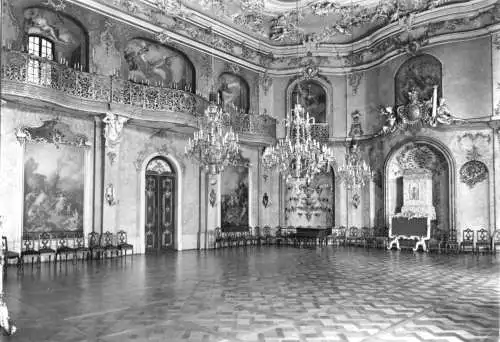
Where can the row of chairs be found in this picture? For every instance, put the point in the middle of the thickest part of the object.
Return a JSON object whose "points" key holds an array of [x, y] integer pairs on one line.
{"points": [[483, 241], [35, 246], [301, 236]]}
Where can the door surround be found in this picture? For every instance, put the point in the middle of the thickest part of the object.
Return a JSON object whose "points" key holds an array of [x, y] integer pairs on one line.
{"points": [[141, 244]]}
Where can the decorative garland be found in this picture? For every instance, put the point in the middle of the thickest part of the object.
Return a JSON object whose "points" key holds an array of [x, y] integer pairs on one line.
{"points": [[473, 172]]}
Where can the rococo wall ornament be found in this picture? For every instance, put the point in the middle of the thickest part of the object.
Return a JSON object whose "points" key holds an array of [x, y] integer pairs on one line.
{"points": [[212, 197], [473, 172]]}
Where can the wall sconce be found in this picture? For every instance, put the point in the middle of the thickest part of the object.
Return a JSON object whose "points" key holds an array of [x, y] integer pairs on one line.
{"points": [[109, 194], [265, 200]]}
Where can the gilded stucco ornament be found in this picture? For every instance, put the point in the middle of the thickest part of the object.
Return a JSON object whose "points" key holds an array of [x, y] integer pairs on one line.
{"points": [[58, 5], [355, 80], [473, 172], [265, 82], [163, 150], [51, 132], [113, 127]]}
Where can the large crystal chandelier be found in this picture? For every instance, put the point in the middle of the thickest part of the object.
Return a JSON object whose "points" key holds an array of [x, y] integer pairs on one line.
{"points": [[215, 145], [354, 172], [298, 156]]}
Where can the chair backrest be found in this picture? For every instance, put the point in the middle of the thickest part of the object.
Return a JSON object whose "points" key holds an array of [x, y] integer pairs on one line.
{"points": [[267, 231], [122, 237], [5, 246], [108, 239], [218, 233], [495, 237], [353, 231], [94, 239], [468, 235], [150, 239], [483, 236], [365, 232], [44, 240], [79, 240]]}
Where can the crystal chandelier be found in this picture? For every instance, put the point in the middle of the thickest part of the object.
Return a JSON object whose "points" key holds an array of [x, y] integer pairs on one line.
{"points": [[355, 172], [215, 145], [298, 156]]}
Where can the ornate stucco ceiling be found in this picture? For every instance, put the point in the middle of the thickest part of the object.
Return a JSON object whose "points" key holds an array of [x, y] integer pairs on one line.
{"points": [[285, 22]]}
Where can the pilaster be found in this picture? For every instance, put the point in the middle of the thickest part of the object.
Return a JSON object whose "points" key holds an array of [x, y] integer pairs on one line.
{"points": [[113, 126], [495, 73]]}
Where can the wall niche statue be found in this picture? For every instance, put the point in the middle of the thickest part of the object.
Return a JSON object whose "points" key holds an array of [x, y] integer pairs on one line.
{"points": [[156, 64]]}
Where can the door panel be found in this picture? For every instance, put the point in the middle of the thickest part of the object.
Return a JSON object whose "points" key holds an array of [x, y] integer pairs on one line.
{"points": [[159, 222]]}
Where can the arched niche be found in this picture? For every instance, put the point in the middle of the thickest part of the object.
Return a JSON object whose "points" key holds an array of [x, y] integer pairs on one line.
{"points": [[424, 154], [420, 72], [68, 36], [234, 92], [311, 205], [314, 94], [156, 64]]}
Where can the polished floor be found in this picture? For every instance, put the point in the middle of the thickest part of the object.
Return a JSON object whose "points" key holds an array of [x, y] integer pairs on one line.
{"points": [[260, 294]]}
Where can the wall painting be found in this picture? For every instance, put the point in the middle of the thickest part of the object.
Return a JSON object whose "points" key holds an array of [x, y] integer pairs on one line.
{"points": [[234, 197]]}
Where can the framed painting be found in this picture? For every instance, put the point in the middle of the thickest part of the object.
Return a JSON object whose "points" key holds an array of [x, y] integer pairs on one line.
{"points": [[234, 198], [312, 96], [53, 188]]}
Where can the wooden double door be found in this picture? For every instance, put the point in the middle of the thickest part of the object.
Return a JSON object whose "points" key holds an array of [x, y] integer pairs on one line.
{"points": [[160, 211]]}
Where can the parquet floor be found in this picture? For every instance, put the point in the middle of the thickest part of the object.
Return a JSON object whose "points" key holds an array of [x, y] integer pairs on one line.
{"points": [[263, 294]]}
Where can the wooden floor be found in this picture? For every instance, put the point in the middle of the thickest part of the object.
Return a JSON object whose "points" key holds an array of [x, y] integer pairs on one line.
{"points": [[260, 294]]}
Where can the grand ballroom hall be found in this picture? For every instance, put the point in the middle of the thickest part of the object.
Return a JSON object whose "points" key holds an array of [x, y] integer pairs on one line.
{"points": [[250, 170]]}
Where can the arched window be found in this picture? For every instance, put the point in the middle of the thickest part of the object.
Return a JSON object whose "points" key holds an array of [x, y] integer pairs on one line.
{"points": [[420, 73], [312, 96], [55, 36], [234, 92], [42, 48]]}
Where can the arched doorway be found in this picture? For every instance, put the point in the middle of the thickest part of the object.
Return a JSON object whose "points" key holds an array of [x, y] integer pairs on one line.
{"points": [[160, 205], [431, 156]]}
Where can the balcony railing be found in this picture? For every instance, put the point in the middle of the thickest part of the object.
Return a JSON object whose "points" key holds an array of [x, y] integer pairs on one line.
{"points": [[24, 68]]}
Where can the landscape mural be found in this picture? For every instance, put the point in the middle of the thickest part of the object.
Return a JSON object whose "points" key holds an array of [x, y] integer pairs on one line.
{"points": [[53, 188], [234, 197]]}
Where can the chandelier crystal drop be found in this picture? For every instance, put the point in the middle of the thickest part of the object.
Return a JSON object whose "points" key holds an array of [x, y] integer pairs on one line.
{"points": [[355, 172], [298, 156], [215, 145]]}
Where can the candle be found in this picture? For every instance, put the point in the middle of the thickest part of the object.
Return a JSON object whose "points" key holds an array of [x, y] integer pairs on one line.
{"points": [[434, 101]]}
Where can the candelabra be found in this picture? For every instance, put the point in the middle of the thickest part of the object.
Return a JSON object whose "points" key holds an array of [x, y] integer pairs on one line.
{"points": [[215, 145], [355, 172], [298, 156]]}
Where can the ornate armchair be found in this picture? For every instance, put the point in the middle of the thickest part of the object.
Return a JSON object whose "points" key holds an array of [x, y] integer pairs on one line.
{"points": [[63, 248], [123, 245], [495, 240], [468, 240], [81, 247], [29, 249], [9, 255], [483, 240], [353, 238], [108, 245], [95, 245], [45, 245]]}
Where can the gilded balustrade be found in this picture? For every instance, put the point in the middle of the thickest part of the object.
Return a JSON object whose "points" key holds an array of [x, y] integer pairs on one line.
{"points": [[23, 68]]}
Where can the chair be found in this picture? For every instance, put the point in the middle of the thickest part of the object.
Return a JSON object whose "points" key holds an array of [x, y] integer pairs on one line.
{"points": [[367, 238], [9, 255], [483, 240], [80, 246], [381, 237], [434, 245], [29, 250], [45, 245], [267, 235], [353, 237], [95, 245], [468, 240], [342, 236], [218, 237], [150, 240], [108, 245], [62, 248], [495, 240], [123, 245]]}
